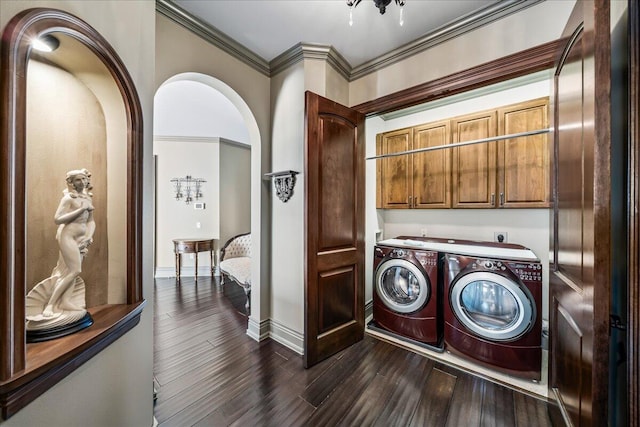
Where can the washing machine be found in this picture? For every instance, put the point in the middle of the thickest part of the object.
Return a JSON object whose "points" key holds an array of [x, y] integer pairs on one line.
{"points": [[406, 298], [492, 308]]}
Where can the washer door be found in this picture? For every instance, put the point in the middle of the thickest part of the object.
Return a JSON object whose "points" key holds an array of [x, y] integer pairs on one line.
{"points": [[402, 286], [492, 306]]}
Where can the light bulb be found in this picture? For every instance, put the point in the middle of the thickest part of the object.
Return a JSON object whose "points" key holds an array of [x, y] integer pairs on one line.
{"points": [[351, 16], [46, 43], [401, 16]]}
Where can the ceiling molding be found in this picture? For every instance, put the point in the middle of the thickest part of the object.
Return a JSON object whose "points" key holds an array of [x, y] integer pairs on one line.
{"points": [[310, 51], [200, 139], [212, 35], [442, 34], [301, 51]]}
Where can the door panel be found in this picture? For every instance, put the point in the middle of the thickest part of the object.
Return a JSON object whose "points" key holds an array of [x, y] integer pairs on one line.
{"points": [[432, 170], [523, 163], [334, 228], [397, 172], [336, 186], [474, 166], [580, 280]]}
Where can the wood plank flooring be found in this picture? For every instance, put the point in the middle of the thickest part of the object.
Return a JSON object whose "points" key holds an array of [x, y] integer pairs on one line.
{"points": [[210, 373]]}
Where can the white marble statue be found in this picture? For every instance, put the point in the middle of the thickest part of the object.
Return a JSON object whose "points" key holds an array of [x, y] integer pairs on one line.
{"points": [[60, 299]]}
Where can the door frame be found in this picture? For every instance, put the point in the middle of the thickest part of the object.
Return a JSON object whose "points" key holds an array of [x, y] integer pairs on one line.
{"points": [[633, 217]]}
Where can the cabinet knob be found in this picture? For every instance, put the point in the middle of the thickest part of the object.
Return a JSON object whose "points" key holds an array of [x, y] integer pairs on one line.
{"points": [[493, 199], [501, 199]]}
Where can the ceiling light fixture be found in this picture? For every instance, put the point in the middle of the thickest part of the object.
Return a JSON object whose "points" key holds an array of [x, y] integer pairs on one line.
{"points": [[380, 4], [46, 43]]}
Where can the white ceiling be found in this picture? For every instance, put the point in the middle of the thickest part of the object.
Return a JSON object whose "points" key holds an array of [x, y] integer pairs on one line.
{"points": [[269, 28]]}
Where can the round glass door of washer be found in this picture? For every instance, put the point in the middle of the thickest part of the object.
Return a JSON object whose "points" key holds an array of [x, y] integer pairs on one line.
{"points": [[401, 286], [492, 306]]}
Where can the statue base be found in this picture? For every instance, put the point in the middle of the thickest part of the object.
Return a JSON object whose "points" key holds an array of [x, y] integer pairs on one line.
{"points": [[59, 331]]}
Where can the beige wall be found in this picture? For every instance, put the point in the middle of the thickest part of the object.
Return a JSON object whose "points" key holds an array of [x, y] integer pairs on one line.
{"points": [[115, 386], [66, 131], [235, 190], [178, 157]]}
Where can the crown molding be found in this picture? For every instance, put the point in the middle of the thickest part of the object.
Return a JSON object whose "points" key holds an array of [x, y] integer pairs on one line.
{"points": [[311, 51], [212, 35], [202, 139], [442, 34], [302, 51]]}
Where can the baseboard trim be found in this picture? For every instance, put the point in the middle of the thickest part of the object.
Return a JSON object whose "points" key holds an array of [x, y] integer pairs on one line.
{"points": [[166, 272], [368, 312], [281, 334], [287, 337], [258, 331]]}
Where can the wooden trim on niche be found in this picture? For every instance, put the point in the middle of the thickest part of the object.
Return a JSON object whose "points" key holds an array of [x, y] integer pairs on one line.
{"points": [[26, 371], [519, 64]]}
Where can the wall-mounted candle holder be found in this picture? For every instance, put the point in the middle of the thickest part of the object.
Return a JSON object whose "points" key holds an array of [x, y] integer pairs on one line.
{"points": [[188, 188]]}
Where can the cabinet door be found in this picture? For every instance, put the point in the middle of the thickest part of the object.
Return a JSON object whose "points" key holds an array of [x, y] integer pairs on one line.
{"points": [[396, 187], [523, 163], [474, 166], [432, 169]]}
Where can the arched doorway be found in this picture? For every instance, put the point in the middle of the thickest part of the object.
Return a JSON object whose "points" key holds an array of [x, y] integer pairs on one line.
{"points": [[212, 104]]}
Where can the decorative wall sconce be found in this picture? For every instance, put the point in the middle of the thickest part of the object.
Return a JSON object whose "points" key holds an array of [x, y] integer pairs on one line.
{"points": [[283, 182], [188, 187]]}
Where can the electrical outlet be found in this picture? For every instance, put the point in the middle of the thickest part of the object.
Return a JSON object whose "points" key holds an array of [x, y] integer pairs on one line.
{"points": [[500, 236], [423, 232]]}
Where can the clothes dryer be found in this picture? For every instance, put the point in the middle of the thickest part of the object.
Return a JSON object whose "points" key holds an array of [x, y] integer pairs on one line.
{"points": [[406, 298], [492, 309]]}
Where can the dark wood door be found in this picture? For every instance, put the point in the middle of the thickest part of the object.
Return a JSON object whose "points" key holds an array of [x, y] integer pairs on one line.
{"points": [[581, 274], [334, 227]]}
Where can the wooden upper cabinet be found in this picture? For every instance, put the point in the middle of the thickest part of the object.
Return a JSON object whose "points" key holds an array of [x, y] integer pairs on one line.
{"points": [[524, 163], [474, 166], [511, 173], [395, 189], [432, 169]]}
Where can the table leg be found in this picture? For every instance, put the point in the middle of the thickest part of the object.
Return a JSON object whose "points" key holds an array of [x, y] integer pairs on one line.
{"points": [[211, 257], [178, 265], [196, 275]]}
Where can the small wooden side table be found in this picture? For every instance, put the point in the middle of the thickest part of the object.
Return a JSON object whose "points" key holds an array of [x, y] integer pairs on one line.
{"points": [[193, 246]]}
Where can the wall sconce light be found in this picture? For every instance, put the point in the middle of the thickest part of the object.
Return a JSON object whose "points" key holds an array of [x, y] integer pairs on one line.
{"points": [[283, 182], [46, 43], [188, 188]]}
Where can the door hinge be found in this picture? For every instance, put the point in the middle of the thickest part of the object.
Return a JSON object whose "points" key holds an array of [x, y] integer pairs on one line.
{"points": [[615, 322]]}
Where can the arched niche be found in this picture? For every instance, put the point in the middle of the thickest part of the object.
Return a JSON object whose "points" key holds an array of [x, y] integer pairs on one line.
{"points": [[87, 68]]}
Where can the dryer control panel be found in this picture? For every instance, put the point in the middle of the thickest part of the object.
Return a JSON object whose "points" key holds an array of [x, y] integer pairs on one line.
{"points": [[527, 271]]}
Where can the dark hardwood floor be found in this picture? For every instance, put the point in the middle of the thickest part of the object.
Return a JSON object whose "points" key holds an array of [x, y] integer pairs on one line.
{"points": [[210, 373]]}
